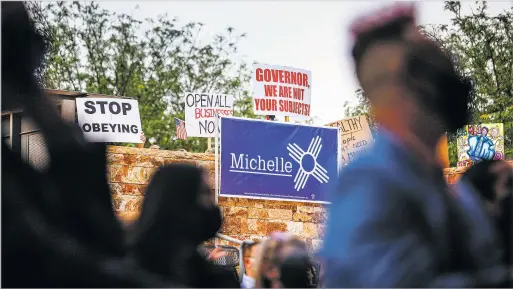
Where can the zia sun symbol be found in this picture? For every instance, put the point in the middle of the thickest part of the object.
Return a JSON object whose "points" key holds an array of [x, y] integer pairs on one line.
{"points": [[308, 165]]}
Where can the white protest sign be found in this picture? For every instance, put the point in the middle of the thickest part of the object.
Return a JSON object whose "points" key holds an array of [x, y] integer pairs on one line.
{"points": [[280, 90], [356, 136], [201, 110], [109, 119]]}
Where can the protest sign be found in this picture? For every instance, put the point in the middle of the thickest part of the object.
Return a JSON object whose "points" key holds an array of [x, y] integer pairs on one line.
{"points": [[109, 119], [277, 161], [201, 110], [480, 142], [356, 136], [280, 90]]}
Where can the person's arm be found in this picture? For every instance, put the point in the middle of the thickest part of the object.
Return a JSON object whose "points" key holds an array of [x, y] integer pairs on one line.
{"points": [[143, 141], [374, 239]]}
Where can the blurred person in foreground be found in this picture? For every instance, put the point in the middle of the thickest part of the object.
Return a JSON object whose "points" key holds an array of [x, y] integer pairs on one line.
{"points": [[284, 263], [392, 221], [494, 182], [58, 226], [251, 252], [178, 215]]}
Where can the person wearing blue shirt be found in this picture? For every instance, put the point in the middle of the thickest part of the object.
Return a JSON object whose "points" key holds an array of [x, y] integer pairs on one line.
{"points": [[393, 221]]}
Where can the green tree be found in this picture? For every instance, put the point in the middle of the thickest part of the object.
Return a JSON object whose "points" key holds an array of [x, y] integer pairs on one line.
{"points": [[482, 46], [154, 61]]}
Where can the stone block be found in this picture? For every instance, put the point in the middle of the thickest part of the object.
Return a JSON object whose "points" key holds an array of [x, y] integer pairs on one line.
{"points": [[179, 161], [234, 225], [255, 213], [319, 217], [279, 214], [302, 217], [280, 205], [295, 228], [115, 159], [321, 209], [305, 209], [234, 202], [256, 226], [127, 189], [137, 175], [116, 173], [276, 226], [231, 212], [309, 230]]}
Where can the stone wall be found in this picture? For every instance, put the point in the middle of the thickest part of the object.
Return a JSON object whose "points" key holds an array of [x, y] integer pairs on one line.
{"points": [[130, 169]]}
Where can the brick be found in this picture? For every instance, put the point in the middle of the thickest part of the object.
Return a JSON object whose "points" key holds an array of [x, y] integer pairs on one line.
{"points": [[255, 213], [233, 225], [279, 214], [295, 228], [127, 189], [305, 209], [256, 226], [137, 175], [321, 209], [280, 205], [309, 230], [115, 159], [116, 173], [230, 212], [302, 217], [276, 226], [254, 203], [178, 161], [319, 217], [234, 202]]}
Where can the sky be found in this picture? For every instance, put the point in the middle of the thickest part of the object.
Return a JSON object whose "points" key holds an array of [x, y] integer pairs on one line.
{"points": [[308, 35]]}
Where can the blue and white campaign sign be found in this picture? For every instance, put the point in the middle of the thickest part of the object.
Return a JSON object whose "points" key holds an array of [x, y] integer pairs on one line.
{"points": [[281, 161]]}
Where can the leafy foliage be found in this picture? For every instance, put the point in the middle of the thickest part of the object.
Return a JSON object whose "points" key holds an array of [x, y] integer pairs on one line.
{"points": [[482, 45], [154, 61]]}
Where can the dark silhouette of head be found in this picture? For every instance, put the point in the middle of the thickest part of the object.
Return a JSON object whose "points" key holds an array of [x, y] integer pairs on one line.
{"points": [[411, 83], [178, 214], [296, 271]]}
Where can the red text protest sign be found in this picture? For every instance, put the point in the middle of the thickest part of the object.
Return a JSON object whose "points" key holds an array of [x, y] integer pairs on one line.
{"points": [[280, 90]]}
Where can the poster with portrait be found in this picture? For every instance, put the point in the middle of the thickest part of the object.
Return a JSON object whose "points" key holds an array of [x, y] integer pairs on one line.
{"points": [[480, 142]]}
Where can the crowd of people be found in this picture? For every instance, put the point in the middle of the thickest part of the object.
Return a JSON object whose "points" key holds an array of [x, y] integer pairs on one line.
{"points": [[393, 221]]}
